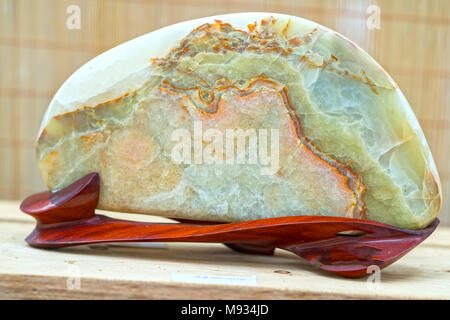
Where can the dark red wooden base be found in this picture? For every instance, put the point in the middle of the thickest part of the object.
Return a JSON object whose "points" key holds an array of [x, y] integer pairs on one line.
{"points": [[343, 246]]}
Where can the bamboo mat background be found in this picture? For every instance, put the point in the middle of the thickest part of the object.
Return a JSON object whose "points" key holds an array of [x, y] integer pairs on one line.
{"points": [[38, 52]]}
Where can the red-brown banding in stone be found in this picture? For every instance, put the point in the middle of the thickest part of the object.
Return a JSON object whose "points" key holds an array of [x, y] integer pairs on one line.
{"points": [[286, 27], [96, 107], [252, 27], [354, 182]]}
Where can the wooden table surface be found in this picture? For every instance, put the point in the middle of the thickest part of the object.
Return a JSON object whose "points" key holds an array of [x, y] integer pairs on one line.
{"points": [[200, 271]]}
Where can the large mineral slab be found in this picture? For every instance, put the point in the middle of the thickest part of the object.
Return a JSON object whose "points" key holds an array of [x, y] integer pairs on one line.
{"points": [[240, 117]]}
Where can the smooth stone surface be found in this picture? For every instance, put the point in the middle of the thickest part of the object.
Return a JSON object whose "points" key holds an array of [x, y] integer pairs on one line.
{"points": [[349, 143]]}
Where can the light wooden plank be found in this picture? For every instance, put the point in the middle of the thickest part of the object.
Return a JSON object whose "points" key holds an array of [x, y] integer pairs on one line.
{"points": [[127, 272]]}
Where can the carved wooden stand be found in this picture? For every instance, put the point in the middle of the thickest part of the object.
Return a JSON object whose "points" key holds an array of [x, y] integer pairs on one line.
{"points": [[343, 246]]}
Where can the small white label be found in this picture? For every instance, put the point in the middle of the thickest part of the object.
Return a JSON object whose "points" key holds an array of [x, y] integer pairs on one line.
{"points": [[214, 279]]}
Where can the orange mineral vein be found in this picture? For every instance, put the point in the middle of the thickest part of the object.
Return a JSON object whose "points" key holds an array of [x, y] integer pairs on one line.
{"points": [[216, 112]]}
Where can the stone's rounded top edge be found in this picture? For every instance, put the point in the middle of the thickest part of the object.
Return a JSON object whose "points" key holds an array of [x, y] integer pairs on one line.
{"points": [[125, 67]]}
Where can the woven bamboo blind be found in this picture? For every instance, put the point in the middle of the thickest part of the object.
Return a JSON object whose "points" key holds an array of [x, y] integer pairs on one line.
{"points": [[38, 52]]}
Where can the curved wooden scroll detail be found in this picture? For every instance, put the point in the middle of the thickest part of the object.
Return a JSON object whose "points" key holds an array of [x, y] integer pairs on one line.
{"points": [[343, 246]]}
